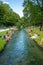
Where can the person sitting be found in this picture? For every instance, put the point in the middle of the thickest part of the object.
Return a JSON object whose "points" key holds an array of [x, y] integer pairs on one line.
{"points": [[7, 36], [35, 35], [30, 31]]}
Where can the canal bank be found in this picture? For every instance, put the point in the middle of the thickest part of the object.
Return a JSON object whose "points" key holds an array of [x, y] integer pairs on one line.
{"points": [[21, 50], [3, 42], [40, 47], [36, 35]]}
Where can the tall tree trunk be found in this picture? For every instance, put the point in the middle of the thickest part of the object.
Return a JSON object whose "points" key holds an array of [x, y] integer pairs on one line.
{"points": [[42, 16]]}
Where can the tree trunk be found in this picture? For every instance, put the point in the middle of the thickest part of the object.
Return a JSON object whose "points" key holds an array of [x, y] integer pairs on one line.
{"points": [[42, 17], [42, 14]]}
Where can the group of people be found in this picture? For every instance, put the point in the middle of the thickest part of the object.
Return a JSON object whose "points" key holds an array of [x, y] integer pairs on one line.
{"points": [[36, 35], [8, 35]]}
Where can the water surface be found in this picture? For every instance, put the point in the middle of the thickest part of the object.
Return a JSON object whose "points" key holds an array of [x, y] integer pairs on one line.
{"points": [[21, 50]]}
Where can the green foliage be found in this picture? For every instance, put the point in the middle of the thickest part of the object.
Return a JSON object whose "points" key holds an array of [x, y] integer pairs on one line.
{"points": [[32, 11], [7, 16]]}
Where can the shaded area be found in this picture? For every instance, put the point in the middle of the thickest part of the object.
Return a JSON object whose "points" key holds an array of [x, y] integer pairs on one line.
{"points": [[21, 50]]}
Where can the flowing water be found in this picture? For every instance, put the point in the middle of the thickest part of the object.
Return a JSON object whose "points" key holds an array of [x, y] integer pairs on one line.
{"points": [[21, 50]]}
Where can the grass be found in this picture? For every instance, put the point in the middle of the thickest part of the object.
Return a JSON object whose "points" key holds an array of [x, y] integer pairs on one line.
{"points": [[2, 40], [36, 29]]}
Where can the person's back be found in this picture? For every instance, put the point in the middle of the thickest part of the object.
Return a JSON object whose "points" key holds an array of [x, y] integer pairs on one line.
{"points": [[7, 36]]}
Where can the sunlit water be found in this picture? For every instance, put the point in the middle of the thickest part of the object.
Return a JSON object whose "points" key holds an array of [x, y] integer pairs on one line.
{"points": [[20, 50]]}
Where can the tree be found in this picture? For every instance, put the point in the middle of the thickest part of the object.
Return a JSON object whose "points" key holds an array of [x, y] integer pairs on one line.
{"points": [[25, 22], [7, 16], [34, 9]]}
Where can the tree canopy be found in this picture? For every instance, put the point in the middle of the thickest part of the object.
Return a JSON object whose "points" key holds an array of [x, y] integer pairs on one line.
{"points": [[33, 11], [7, 16]]}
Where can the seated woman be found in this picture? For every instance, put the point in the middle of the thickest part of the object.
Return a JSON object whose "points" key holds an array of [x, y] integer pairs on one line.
{"points": [[7, 36]]}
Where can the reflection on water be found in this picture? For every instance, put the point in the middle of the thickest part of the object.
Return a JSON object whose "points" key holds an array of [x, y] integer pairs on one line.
{"points": [[21, 51]]}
